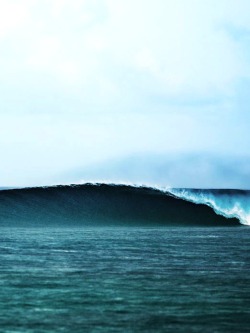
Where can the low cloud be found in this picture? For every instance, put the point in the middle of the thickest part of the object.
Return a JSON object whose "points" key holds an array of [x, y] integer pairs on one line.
{"points": [[188, 171]]}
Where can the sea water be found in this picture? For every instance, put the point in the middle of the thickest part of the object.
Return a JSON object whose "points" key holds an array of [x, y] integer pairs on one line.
{"points": [[125, 279]]}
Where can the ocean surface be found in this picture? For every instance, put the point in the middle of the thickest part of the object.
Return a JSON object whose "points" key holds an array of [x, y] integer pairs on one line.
{"points": [[109, 258], [122, 279]]}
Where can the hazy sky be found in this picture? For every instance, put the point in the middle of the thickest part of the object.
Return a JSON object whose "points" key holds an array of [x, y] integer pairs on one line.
{"points": [[85, 82]]}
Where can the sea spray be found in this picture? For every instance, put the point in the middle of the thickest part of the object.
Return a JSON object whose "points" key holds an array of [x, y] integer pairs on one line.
{"points": [[228, 203]]}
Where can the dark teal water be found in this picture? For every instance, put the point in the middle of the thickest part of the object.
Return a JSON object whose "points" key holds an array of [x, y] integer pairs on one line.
{"points": [[125, 280]]}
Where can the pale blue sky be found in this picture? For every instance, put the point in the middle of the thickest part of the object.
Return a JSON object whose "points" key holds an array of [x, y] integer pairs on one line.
{"points": [[90, 83]]}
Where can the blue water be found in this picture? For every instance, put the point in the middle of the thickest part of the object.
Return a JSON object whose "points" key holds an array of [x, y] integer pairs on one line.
{"points": [[125, 279], [122, 205]]}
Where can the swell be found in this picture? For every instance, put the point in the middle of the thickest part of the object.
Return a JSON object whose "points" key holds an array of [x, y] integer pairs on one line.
{"points": [[103, 204]]}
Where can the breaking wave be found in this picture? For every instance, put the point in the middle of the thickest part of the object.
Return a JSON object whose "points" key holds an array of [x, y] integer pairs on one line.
{"points": [[122, 205], [228, 203]]}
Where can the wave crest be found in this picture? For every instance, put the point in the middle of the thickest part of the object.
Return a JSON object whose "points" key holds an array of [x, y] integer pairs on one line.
{"points": [[228, 203], [103, 204]]}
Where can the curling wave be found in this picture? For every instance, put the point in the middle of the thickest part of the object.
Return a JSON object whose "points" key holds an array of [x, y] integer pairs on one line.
{"points": [[228, 203], [106, 204]]}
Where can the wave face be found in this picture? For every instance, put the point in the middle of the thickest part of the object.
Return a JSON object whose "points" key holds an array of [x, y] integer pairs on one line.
{"points": [[102, 204], [228, 203]]}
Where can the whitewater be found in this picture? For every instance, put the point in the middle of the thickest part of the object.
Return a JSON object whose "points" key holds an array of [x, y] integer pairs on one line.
{"points": [[228, 203]]}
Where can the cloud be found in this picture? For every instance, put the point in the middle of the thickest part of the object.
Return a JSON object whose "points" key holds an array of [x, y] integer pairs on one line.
{"points": [[188, 171], [90, 80], [13, 14], [181, 47]]}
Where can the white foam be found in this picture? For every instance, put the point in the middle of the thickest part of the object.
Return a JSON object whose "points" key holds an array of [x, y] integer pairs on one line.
{"points": [[228, 205]]}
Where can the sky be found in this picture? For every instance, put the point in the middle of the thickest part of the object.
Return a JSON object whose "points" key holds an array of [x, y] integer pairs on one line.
{"points": [[141, 91]]}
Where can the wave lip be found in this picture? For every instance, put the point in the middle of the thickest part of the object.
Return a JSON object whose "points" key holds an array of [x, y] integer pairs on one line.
{"points": [[228, 203]]}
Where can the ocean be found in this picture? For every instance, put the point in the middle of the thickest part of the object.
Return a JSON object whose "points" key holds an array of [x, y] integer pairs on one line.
{"points": [[104, 258]]}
